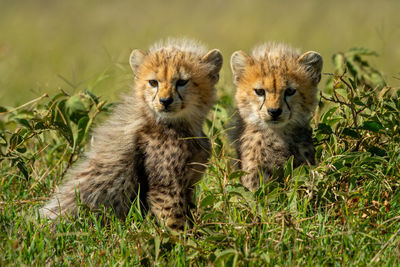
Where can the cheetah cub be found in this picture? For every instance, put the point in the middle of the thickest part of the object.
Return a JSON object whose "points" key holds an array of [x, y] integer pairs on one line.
{"points": [[152, 147], [275, 96]]}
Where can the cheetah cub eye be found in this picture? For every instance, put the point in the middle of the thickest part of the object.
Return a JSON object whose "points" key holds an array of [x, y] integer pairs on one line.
{"points": [[290, 91], [181, 83], [259, 92], [153, 83]]}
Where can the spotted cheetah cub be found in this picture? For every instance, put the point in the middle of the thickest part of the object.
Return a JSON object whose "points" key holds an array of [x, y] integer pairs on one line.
{"points": [[153, 146], [275, 96]]}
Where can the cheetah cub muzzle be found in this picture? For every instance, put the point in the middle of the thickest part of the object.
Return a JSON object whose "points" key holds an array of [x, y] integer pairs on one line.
{"points": [[153, 143], [275, 97]]}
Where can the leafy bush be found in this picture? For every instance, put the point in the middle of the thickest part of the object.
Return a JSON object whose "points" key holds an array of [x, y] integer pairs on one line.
{"points": [[62, 120]]}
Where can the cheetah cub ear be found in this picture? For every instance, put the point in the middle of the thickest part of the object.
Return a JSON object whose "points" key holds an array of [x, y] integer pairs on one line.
{"points": [[135, 59], [313, 63], [214, 58], [239, 61]]}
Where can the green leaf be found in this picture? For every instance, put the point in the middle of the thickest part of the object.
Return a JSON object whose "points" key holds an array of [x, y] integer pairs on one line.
{"points": [[21, 149], [107, 107], [57, 96], [375, 79], [82, 130], [353, 83], [65, 131], [342, 93], [288, 168], [15, 140], [361, 51], [372, 126], [157, 246], [75, 108], [208, 200], [24, 122], [329, 119], [58, 112], [225, 257], [236, 174], [324, 128], [338, 62], [92, 96], [24, 132], [377, 151], [3, 140], [40, 126], [357, 101], [212, 215], [350, 132], [352, 67], [21, 166]]}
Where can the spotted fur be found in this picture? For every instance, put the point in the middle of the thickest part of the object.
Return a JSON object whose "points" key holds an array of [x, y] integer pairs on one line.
{"points": [[275, 97], [148, 146]]}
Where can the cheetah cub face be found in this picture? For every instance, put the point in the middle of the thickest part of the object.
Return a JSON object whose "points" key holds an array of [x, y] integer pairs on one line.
{"points": [[176, 84], [275, 85]]}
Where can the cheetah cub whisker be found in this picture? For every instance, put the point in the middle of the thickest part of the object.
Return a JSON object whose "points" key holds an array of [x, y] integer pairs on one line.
{"points": [[275, 96], [153, 142]]}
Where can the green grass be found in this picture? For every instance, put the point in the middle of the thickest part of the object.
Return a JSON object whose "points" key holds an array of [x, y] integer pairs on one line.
{"points": [[344, 211]]}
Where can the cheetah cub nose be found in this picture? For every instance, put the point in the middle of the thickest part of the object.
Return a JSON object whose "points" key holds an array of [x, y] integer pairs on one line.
{"points": [[166, 101], [274, 112]]}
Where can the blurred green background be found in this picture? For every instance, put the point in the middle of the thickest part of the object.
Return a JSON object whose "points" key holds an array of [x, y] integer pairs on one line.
{"points": [[46, 45]]}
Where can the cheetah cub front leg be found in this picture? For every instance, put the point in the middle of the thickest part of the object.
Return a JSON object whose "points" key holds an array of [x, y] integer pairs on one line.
{"points": [[169, 205], [172, 205]]}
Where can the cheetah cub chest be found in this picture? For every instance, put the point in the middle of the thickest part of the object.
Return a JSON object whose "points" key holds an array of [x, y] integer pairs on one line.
{"points": [[275, 95]]}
